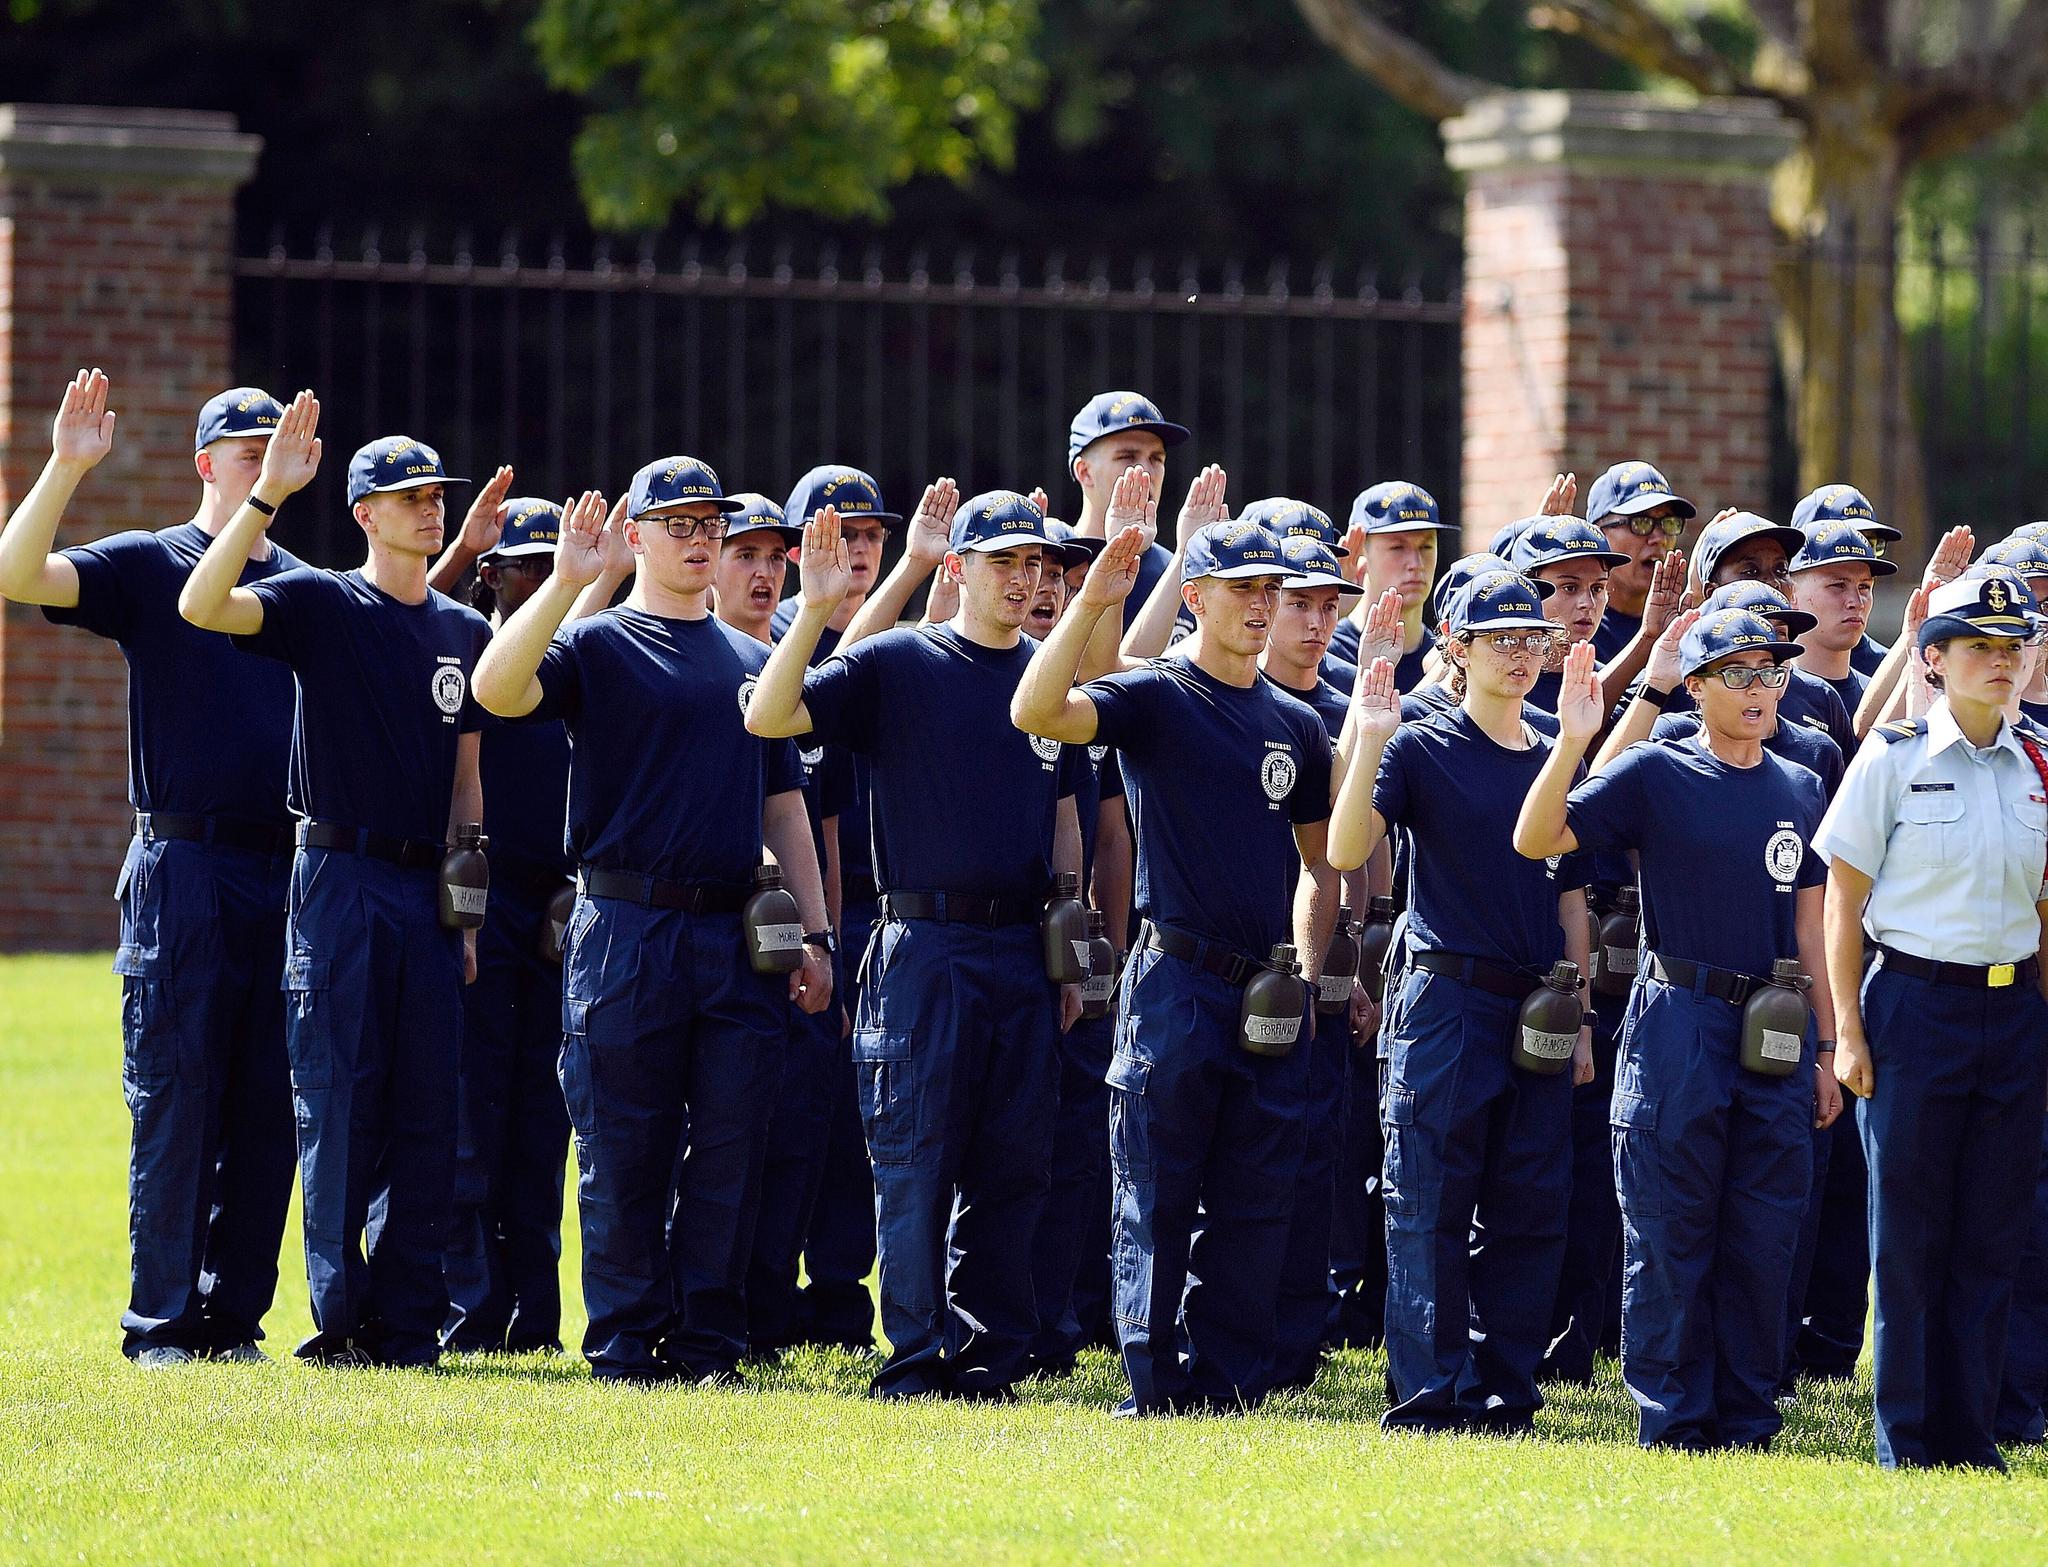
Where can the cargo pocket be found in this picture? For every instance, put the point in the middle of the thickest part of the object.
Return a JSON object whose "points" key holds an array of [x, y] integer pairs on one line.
{"points": [[888, 1095], [149, 1019], [309, 1022], [1638, 1179], [1400, 1185], [1130, 1133], [572, 1067]]}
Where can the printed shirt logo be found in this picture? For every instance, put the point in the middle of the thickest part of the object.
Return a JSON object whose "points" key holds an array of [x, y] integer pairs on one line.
{"points": [[746, 692], [810, 758], [1046, 750], [1782, 856], [1096, 753], [449, 685], [1276, 775]]}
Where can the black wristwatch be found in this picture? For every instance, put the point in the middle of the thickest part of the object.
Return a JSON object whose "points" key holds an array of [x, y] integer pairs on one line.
{"points": [[1660, 700], [1588, 1018], [823, 940]]}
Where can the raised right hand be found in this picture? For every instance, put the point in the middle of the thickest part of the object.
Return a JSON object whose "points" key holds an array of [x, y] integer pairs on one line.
{"points": [[931, 526], [1114, 572], [1662, 669], [823, 571], [1204, 504], [1951, 556], [1562, 496], [1376, 702], [1130, 503], [1579, 713], [293, 456], [580, 551], [83, 431]]}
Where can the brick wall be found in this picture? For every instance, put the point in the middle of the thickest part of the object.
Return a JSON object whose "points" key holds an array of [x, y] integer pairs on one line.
{"points": [[1617, 296], [116, 239]]}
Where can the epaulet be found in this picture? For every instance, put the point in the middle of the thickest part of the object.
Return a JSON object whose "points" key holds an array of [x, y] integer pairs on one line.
{"points": [[1902, 729]]}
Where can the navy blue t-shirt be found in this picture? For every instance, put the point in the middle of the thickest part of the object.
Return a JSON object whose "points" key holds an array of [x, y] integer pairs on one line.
{"points": [[209, 728], [525, 769], [1454, 793], [1850, 687], [383, 693], [1720, 850], [1217, 776], [1152, 565], [1866, 655], [855, 824], [1409, 669], [1804, 747], [664, 779], [963, 800], [1614, 633]]}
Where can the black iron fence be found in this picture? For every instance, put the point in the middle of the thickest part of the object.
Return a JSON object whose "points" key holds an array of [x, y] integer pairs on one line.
{"points": [[764, 361]]}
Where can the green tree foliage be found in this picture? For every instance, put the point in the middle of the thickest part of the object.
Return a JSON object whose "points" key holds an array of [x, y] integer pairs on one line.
{"points": [[736, 106]]}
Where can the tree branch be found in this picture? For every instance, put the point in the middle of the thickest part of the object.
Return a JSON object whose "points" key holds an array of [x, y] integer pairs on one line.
{"points": [[1946, 109], [1630, 31], [1403, 67]]}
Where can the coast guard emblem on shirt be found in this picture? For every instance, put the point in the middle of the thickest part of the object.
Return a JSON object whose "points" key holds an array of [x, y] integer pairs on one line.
{"points": [[1096, 753], [1276, 775], [1046, 750], [810, 758], [1782, 856], [449, 685], [747, 692]]}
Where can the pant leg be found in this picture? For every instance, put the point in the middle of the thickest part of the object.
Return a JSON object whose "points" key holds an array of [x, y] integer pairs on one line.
{"points": [[1764, 1202], [836, 1306], [2023, 1388], [257, 1150], [480, 1300], [1075, 1204], [1671, 1096], [799, 1129], [1593, 1219], [1358, 1219], [1010, 1035], [1518, 1242], [739, 1037], [1820, 1146], [1305, 1300], [1248, 1184], [408, 1235], [1838, 1290], [1175, 1027], [625, 1031], [530, 1197]]}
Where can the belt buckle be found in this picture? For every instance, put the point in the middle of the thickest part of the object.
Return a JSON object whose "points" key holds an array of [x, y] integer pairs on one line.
{"points": [[2000, 975]]}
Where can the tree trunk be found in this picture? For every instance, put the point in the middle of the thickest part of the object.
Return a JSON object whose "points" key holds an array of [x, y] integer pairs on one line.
{"points": [[1839, 341]]}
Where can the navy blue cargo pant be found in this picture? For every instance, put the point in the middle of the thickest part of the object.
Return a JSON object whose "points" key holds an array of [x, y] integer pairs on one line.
{"points": [[1478, 1179], [1713, 1164], [1592, 1232], [505, 1245], [1076, 1219], [203, 1071], [2023, 1389], [958, 1068], [1837, 1302], [799, 1140], [672, 1047], [374, 1022], [1302, 1315], [1202, 1135], [1952, 1134]]}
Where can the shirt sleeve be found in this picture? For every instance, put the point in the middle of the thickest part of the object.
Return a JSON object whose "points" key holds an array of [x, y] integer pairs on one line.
{"points": [[1310, 801], [784, 770], [294, 605], [1390, 783], [1858, 824], [1120, 706], [1109, 776], [561, 682], [473, 715], [107, 572], [1605, 812], [843, 696], [1073, 770], [835, 783]]}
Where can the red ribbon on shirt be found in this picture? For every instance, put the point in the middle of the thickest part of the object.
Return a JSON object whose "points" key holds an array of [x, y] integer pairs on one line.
{"points": [[2040, 766]]}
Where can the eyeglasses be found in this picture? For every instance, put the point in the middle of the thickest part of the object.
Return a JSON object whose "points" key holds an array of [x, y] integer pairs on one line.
{"points": [[1741, 678], [695, 527], [1538, 643], [1642, 527], [528, 565]]}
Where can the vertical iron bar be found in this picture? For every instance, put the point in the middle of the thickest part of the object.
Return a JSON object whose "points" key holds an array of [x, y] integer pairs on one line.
{"points": [[1937, 364], [1845, 373], [921, 371], [373, 330], [1141, 327], [593, 463], [785, 364], [558, 368], [1055, 340], [1324, 412], [1411, 386], [1007, 412], [2020, 437], [416, 261], [1279, 405], [733, 458], [649, 269], [1189, 412], [964, 463], [872, 457], [1233, 366], [508, 352], [1893, 394], [1098, 318], [688, 438], [828, 360], [1368, 385], [465, 351]]}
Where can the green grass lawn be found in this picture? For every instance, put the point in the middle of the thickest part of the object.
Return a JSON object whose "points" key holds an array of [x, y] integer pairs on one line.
{"points": [[523, 1459]]}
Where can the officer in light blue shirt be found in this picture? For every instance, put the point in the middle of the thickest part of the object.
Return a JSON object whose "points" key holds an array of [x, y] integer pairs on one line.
{"points": [[1938, 836]]}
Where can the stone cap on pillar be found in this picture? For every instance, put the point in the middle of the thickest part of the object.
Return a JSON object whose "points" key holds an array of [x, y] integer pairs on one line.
{"points": [[1710, 138], [63, 140]]}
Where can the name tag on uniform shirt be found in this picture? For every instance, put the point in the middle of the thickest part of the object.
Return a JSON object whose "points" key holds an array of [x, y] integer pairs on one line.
{"points": [[1933, 788]]}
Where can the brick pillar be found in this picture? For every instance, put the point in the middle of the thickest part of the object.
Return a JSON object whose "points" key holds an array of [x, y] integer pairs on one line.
{"points": [[116, 250], [1618, 256]]}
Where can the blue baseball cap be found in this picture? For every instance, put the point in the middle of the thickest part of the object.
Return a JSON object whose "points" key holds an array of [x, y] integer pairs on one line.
{"points": [[1314, 565], [1720, 632], [1292, 519], [2028, 557], [1551, 541], [1629, 488], [1072, 548], [848, 491], [998, 520], [529, 526], [1503, 541], [676, 481], [1461, 571], [1108, 412], [395, 462], [1721, 537], [1232, 549], [1980, 603], [758, 514], [240, 410], [1832, 543], [1842, 503], [1395, 507], [1498, 601], [2030, 530], [1763, 601]]}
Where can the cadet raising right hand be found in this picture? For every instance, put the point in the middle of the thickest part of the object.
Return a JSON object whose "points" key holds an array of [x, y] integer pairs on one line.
{"points": [[1115, 571], [1380, 636], [1562, 496], [83, 431], [580, 551], [1662, 671], [931, 526], [823, 571], [1204, 504], [1374, 699], [1130, 505], [293, 456], [1579, 712]]}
